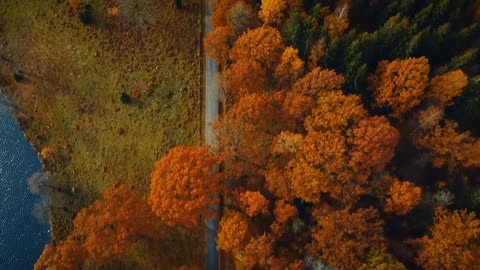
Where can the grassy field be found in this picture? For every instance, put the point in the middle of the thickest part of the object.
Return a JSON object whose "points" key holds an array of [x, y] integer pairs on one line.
{"points": [[70, 101]]}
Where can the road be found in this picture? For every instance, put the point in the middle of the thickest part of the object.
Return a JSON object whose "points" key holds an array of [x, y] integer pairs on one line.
{"points": [[211, 113]]}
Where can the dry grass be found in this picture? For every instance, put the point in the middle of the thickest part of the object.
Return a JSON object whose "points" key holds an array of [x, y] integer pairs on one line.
{"points": [[75, 75]]}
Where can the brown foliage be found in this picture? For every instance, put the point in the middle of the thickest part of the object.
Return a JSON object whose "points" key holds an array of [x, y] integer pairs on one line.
{"points": [[343, 238], [219, 15], [182, 185], [241, 17], [256, 252], [452, 242], [233, 231], [253, 203], [402, 197], [450, 148], [400, 84], [277, 182]]}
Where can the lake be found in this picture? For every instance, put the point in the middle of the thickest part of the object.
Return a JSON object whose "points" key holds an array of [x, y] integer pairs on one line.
{"points": [[22, 237]]}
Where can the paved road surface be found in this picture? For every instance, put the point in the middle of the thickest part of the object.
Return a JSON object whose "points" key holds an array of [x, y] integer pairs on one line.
{"points": [[211, 113]]}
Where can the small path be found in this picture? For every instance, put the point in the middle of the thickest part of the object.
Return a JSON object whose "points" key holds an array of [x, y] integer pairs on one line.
{"points": [[211, 114]]}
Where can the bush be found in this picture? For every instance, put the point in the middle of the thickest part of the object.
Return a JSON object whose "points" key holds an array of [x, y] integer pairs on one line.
{"points": [[86, 14]]}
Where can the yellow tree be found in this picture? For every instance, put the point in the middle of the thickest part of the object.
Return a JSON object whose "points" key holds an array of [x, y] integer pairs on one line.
{"points": [[183, 184], [452, 242], [272, 12], [232, 232], [400, 84], [445, 87]]}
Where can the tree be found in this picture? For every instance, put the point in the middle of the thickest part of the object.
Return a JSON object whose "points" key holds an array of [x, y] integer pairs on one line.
{"points": [[245, 133], [444, 88], [400, 84], [447, 147], [68, 254], [241, 18], [381, 260], [335, 112], [452, 241], [110, 226], [372, 145], [233, 231], [263, 45], [337, 22], [277, 182], [256, 252], [289, 69], [303, 97], [245, 77], [217, 44], [402, 197], [283, 213], [343, 238], [253, 203], [219, 16], [184, 184], [272, 12]]}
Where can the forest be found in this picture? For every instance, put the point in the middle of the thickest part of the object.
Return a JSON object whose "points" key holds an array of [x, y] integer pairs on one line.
{"points": [[349, 141]]}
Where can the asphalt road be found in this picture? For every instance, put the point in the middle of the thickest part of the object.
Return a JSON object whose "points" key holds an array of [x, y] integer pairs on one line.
{"points": [[211, 113]]}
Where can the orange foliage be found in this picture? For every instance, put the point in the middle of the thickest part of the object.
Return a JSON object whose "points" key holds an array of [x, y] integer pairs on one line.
{"points": [[219, 15], [112, 12], [280, 263], [444, 88], [263, 45], [452, 242], [245, 133], [449, 148], [284, 211], [319, 80], [241, 17], [111, 225], [257, 251], [67, 254], [319, 166], [277, 182], [273, 11], [302, 99], [290, 67], [245, 77], [335, 111], [317, 52], [343, 238], [372, 145], [253, 203], [287, 143], [74, 4], [402, 197], [182, 185], [400, 84], [233, 231], [217, 44]]}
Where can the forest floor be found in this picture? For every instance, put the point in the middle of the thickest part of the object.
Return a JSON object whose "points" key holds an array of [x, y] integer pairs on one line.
{"points": [[101, 102]]}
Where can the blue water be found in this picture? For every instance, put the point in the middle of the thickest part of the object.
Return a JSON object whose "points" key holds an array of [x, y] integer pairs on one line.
{"points": [[22, 237]]}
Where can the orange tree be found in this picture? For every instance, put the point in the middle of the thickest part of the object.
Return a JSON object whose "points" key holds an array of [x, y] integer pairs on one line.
{"points": [[104, 230], [183, 184]]}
